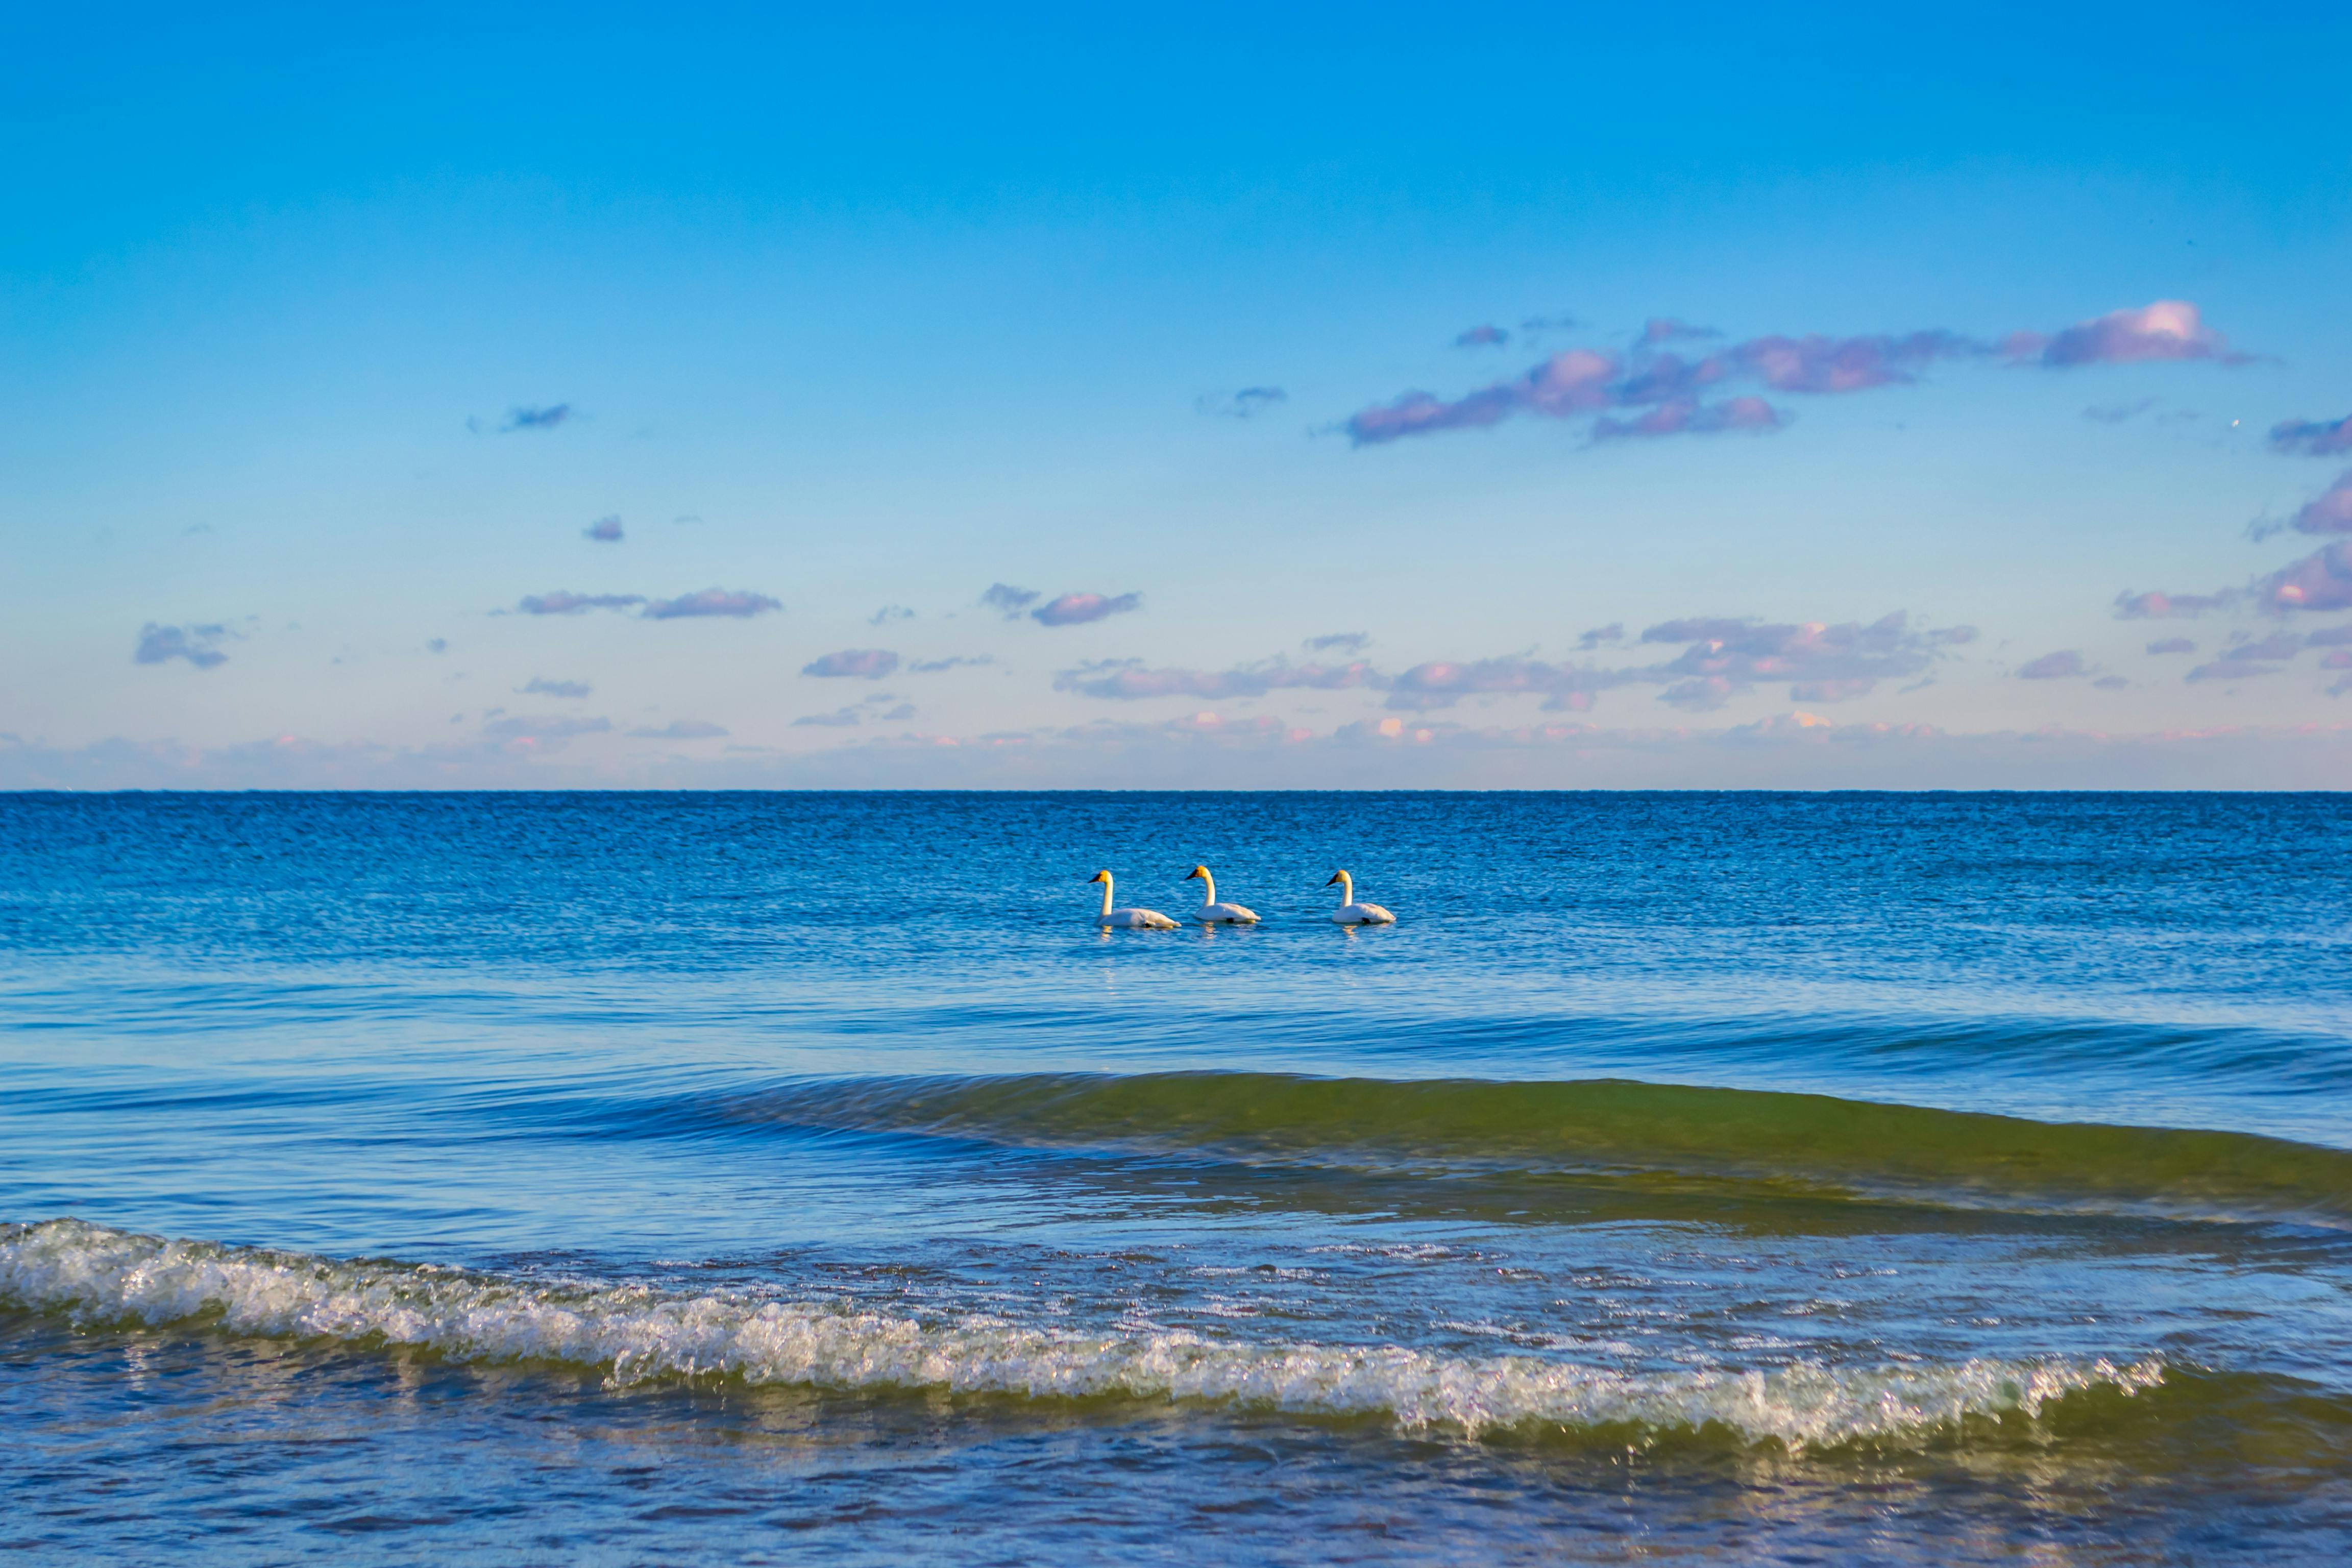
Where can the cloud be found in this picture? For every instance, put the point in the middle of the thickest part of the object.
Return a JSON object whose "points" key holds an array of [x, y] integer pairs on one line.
{"points": [[1581, 382], [2117, 412], [679, 729], [564, 602], [2313, 437], [1346, 642], [2329, 511], [900, 714], [888, 613], [1666, 329], [2172, 645], [555, 727], [1128, 680], [711, 602], [2060, 665], [604, 530], [1005, 597], [1486, 337], [2320, 581], [192, 643], [2161, 606], [1727, 657], [541, 686], [858, 663], [1559, 323], [953, 661], [1613, 632], [1246, 404], [437, 644], [1441, 683], [2168, 330], [2330, 637], [547, 419], [1076, 609], [838, 717], [2111, 683], [1688, 416]]}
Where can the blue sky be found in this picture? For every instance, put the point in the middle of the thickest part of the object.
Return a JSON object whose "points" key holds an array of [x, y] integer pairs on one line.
{"points": [[853, 320]]}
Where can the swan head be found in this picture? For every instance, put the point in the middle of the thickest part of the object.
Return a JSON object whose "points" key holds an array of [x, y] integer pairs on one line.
{"points": [[1196, 871], [1338, 877], [1100, 877]]}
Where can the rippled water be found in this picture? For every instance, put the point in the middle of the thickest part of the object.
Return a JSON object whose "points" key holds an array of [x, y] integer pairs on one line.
{"points": [[741, 1177]]}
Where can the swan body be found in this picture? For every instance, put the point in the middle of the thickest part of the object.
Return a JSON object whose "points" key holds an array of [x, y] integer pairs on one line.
{"points": [[1351, 913], [1216, 913], [1127, 919]]}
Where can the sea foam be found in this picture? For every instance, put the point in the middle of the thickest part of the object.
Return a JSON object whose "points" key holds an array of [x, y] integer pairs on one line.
{"points": [[637, 1333]]}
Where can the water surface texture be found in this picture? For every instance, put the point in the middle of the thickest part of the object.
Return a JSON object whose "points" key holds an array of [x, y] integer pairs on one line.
{"points": [[726, 1178]]}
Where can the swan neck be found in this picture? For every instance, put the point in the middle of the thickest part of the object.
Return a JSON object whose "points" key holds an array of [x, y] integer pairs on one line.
{"points": [[1208, 889], [1347, 890], [1105, 896]]}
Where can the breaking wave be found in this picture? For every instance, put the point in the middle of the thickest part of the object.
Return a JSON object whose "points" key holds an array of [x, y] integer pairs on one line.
{"points": [[634, 1332]]}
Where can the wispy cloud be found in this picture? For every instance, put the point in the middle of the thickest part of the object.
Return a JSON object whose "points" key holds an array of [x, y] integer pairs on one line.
{"points": [[437, 644], [1247, 403], [2162, 607], [839, 716], [1484, 337], [2172, 645], [2313, 437], [2329, 511], [546, 419], [604, 530], [1672, 389], [953, 661], [1441, 683], [196, 644], [681, 730], [1346, 642], [857, 663], [712, 602], [889, 613], [1668, 330], [1614, 632], [2117, 412], [564, 602], [1076, 609], [1130, 680], [1724, 658], [541, 686], [1008, 600], [2064, 665]]}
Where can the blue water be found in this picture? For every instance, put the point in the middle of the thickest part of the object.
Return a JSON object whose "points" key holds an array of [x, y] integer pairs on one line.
{"points": [[746, 1177]]}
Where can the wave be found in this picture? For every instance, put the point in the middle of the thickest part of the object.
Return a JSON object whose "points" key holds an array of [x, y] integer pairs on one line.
{"points": [[637, 1333], [1799, 1145]]}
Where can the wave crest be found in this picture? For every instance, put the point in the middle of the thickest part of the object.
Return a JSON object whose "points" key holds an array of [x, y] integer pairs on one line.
{"points": [[100, 1275]]}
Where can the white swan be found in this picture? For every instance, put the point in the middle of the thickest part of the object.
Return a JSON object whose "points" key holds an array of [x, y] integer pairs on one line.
{"points": [[1351, 913], [1216, 913], [1136, 920]]}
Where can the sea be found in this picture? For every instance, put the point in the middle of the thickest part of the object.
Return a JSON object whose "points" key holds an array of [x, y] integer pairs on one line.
{"points": [[757, 1177]]}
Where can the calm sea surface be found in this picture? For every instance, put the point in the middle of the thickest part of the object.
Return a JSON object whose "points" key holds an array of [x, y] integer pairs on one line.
{"points": [[734, 1178]]}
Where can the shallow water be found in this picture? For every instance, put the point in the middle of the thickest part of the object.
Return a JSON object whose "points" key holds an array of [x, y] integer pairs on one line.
{"points": [[621, 1178]]}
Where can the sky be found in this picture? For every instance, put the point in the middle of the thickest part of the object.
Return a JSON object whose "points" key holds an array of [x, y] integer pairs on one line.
{"points": [[1535, 397]]}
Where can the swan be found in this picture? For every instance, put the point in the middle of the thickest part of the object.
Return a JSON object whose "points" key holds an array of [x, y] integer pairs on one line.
{"points": [[1216, 913], [1136, 920], [1351, 913]]}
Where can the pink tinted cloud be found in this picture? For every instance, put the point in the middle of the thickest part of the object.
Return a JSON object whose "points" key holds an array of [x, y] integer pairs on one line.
{"points": [[1127, 681], [1816, 364], [1441, 683], [2167, 329], [2161, 607], [2320, 581], [712, 602], [2329, 511], [564, 602], [2313, 437], [855, 663], [1076, 609], [1688, 416], [1726, 658]]}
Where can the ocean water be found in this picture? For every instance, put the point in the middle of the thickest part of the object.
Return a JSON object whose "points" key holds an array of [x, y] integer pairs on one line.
{"points": [[734, 1178]]}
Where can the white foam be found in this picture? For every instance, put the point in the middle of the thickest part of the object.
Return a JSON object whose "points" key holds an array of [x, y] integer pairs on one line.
{"points": [[102, 1275]]}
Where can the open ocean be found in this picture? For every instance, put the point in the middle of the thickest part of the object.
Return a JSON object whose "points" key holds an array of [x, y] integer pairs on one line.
{"points": [[678, 1178]]}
